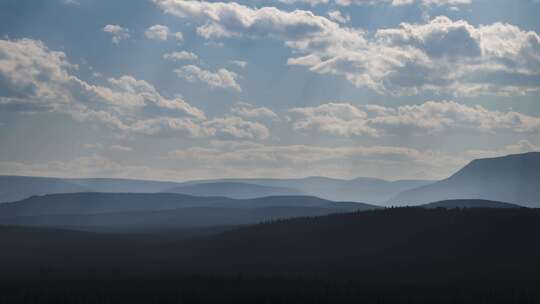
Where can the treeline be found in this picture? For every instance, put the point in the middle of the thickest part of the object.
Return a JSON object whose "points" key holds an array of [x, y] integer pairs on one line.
{"points": [[400, 255]]}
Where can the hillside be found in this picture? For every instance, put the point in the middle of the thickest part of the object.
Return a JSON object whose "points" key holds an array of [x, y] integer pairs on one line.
{"points": [[366, 190], [512, 178], [114, 211], [409, 255], [450, 204], [14, 188], [233, 190]]}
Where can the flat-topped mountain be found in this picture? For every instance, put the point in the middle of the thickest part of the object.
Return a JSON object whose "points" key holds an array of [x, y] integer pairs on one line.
{"points": [[513, 179]]}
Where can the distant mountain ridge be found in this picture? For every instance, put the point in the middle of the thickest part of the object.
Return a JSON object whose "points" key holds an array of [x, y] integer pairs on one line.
{"points": [[140, 211], [513, 179], [365, 190], [235, 190], [15, 188]]}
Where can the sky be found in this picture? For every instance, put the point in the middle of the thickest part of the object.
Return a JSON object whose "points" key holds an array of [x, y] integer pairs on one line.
{"points": [[183, 89]]}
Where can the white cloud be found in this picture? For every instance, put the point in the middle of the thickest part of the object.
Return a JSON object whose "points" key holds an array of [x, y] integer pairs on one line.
{"points": [[118, 33], [339, 17], [239, 63], [179, 56], [450, 3], [442, 56], [236, 127], [35, 78], [338, 119], [346, 120], [247, 110], [222, 78], [161, 33]]}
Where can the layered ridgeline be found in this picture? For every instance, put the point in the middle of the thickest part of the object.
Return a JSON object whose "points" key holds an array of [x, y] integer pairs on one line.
{"points": [[373, 191], [513, 179], [14, 188], [158, 211], [366, 190], [234, 190]]}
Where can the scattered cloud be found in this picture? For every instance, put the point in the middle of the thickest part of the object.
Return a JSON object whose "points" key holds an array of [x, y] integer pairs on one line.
{"points": [[117, 32], [36, 79], [180, 56], [441, 56], [161, 33], [222, 78], [239, 63], [339, 17], [250, 111], [346, 120]]}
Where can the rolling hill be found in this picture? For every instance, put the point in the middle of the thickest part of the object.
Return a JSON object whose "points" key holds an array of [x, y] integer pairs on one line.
{"points": [[374, 191], [234, 190], [117, 211], [513, 178], [472, 203], [14, 188], [411, 255], [366, 190]]}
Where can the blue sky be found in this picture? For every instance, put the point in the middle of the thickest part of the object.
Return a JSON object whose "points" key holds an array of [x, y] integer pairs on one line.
{"points": [[181, 89]]}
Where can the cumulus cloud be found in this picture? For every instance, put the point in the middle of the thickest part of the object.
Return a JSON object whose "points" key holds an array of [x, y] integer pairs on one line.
{"points": [[161, 33], [117, 32], [179, 56], [34, 78], [338, 119], [239, 63], [442, 56], [236, 127], [346, 120], [339, 17], [248, 110], [449, 3], [222, 78]]}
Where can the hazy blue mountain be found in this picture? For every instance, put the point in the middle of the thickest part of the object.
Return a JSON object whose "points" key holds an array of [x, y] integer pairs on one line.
{"points": [[233, 190], [117, 185], [114, 211], [14, 188], [470, 203], [513, 178], [367, 190]]}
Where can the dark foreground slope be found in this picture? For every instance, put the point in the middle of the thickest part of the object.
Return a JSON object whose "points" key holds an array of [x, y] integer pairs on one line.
{"points": [[470, 203], [513, 179], [410, 255]]}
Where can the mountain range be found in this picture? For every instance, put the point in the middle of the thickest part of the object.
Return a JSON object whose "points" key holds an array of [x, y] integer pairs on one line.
{"points": [[513, 179], [155, 211]]}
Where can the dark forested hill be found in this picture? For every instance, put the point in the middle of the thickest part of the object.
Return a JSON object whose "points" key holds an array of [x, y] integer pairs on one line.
{"points": [[469, 203], [398, 255]]}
